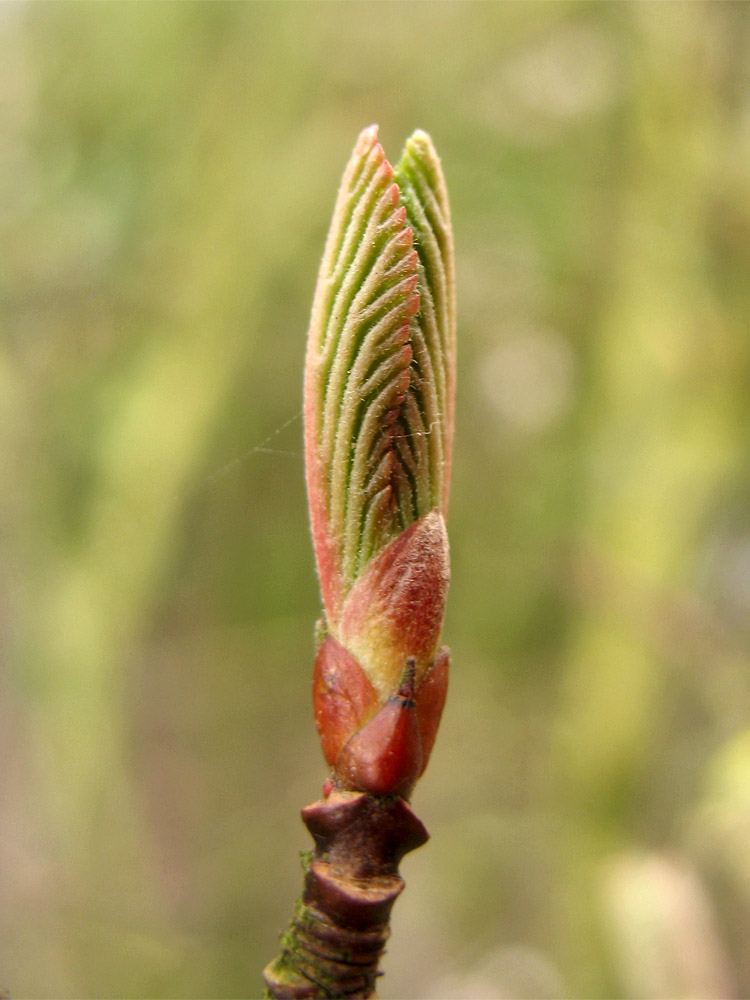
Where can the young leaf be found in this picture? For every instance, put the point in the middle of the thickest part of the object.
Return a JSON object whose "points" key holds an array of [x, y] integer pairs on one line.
{"points": [[380, 368], [433, 332]]}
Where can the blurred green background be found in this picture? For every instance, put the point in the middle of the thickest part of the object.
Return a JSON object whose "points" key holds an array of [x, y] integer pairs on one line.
{"points": [[167, 174]]}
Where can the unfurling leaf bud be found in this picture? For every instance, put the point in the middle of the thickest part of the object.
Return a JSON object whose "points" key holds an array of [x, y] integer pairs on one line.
{"points": [[379, 392]]}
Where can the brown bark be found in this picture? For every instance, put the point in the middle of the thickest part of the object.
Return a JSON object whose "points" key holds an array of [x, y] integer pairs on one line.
{"points": [[333, 945]]}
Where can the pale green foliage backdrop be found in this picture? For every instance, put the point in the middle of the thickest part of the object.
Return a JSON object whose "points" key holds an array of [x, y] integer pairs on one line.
{"points": [[167, 174]]}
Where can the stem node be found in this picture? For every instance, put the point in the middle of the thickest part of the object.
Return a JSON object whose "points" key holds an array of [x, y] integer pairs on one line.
{"points": [[340, 928]]}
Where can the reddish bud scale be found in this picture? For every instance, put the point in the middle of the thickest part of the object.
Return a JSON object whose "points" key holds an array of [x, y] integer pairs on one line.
{"points": [[380, 750], [343, 697], [385, 756], [395, 608], [432, 694]]}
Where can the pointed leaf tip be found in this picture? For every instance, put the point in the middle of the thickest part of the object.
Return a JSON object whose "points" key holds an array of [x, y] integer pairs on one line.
{"points": [[420, 143]]}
